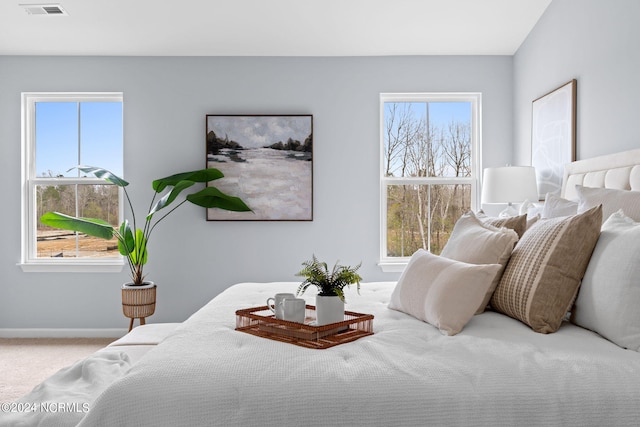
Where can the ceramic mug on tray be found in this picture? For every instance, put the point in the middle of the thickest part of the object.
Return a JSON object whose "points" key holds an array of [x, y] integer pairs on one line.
{"points": [[276, 308], [294, 309]]}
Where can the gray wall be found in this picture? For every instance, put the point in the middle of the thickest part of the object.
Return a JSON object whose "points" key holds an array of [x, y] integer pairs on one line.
{"points": [[596, 42], [166, 100]]}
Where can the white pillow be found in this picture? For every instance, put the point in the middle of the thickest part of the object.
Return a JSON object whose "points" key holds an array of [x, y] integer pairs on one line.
{"points": [[609, 299], [476, 242], [611, 200], [535, 210], [555, 206], [442, 292]]}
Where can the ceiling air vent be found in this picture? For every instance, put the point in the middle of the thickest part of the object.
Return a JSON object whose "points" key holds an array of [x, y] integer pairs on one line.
{"points": [[44, 9]]}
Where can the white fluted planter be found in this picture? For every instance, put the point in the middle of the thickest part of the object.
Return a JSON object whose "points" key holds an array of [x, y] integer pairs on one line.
{"points": [[329, 310], [138, 301]]}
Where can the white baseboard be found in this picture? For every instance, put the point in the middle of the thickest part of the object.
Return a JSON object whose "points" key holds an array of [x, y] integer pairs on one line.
{"points": [[61, 333]]}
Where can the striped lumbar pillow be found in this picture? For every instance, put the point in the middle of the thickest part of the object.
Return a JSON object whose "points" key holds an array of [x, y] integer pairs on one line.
{"points": [[543, 275]]}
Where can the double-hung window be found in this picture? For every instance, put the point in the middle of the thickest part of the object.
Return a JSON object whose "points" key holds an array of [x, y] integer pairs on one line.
{"points": [[429, 170], [61, 131]]}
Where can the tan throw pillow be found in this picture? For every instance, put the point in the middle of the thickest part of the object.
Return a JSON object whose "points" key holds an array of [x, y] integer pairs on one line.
{"points": [[476, 242], [440, 291], [532, 219], [542, 277], [611, 200], [609, 299], [515, 223]]}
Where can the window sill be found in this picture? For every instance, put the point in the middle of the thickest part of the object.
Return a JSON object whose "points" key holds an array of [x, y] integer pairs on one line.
{"points": [[114, 266], [393, 266]]}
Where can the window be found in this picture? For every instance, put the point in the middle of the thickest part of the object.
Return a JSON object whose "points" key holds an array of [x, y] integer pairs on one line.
{"points": [[429, 170], [59, 132]]}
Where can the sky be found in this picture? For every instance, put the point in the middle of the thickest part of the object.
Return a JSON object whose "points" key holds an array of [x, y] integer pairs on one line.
{"points": [[441, 113], [58, 148], [101, 134], [258, 131]]}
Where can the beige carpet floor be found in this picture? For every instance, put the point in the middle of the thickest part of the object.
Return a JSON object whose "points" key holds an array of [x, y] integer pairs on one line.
{"points": [[26, 362]]}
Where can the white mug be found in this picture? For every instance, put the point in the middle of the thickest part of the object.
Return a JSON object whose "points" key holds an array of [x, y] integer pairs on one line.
{"points": [[294, 309], [277, 304]]}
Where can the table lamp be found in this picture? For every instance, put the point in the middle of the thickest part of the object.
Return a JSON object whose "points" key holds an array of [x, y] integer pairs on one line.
{"points": [[509, 184]]}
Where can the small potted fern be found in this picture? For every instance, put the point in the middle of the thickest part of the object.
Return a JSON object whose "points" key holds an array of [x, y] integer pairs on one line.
{"points": [[330, 299]]}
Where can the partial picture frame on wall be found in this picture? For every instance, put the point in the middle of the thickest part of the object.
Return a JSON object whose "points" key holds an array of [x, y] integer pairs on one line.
{"points": [[553, 136], [267, 161]]}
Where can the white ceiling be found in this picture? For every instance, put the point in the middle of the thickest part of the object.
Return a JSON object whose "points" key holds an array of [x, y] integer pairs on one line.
{"points": [[270, 27]]}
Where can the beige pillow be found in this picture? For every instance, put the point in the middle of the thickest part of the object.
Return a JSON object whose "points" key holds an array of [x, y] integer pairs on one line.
{"points": [[532, 219], [476, 242], [541, 280], [515, 223], [609, 298], [440, 291], [611, 200]]}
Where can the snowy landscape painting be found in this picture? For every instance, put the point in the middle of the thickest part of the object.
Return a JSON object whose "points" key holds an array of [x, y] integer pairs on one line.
{"points": [[267, 161]]}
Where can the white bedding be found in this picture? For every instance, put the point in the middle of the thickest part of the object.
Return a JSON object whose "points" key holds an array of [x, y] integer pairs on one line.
{"points": [[497, 371], [65, 397]]}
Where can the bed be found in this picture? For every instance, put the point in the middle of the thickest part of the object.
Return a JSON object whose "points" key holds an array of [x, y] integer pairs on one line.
{"points": [[495, 370]]}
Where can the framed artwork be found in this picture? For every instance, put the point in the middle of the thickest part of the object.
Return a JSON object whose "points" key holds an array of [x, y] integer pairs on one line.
{"points": [[553, 136], [267, 161]]}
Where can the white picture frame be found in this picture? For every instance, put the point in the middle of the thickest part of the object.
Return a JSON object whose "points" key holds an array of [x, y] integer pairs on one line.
{"points": [[553, 136]]}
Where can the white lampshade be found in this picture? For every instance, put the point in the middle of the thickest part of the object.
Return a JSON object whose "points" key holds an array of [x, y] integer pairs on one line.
{"points": [[509, 184]]}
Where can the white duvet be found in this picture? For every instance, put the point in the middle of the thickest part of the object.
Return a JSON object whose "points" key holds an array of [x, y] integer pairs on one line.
{"points": [[65, 397], [495, 372]]}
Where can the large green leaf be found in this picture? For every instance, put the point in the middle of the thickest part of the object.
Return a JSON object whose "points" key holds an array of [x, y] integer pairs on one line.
{"points": [[169, 197], [137, 246], [211, 197], [126, 243], [104, 174], [90, 226], [202, 175], [139, 253]]}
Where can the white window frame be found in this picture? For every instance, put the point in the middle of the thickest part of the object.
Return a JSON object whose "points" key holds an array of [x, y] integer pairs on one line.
{"points": [[29, 261], [397, 264]]}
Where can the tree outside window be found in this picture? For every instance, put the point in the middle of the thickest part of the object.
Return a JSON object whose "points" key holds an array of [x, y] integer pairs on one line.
{"points": [[428, 168]]}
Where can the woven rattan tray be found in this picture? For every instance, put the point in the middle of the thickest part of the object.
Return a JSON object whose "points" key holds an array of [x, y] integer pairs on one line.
{"points": [[261, 322]]}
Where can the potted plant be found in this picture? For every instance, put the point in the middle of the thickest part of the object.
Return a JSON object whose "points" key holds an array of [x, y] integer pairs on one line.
{"points": [[330, 299], [132, 240]]}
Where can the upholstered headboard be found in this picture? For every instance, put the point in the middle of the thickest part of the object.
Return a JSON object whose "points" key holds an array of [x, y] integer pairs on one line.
{"points": [[620, 171]]}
